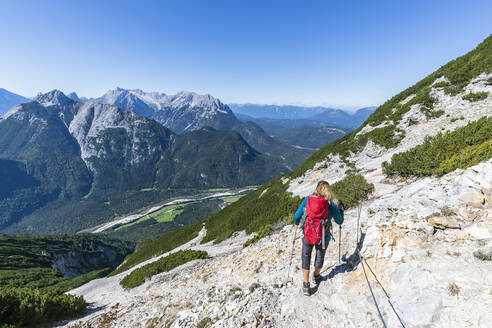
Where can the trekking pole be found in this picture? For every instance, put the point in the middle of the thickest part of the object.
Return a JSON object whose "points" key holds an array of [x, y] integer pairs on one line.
{"points": [[339, 242], [358, 218], [291, 254]]}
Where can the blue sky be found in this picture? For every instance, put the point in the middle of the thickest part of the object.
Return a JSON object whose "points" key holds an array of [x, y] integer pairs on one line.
{"points": [[344, 54]]}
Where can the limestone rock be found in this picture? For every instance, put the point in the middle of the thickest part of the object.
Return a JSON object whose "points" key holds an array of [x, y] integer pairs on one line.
{"points": [[419, 308], [443, 222], [474, 197]]}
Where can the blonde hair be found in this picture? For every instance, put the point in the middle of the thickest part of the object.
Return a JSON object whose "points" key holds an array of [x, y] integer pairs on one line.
{"points": [[323, 189]]}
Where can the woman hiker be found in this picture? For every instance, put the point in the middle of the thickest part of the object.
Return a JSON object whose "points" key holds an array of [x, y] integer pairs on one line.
{"points": [[316, 212]]}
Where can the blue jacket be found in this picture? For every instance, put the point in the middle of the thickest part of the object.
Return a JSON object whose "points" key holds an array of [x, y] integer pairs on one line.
{"points": [[333, 213]]}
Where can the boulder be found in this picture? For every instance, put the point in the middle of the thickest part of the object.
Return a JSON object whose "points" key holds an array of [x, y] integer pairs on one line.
{"points": [[418, 308], [443, 222], [474, 197], [371, 242]]}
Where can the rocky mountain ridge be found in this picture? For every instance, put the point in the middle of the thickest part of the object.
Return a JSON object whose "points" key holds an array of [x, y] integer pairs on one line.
{"points": [[189, 111], [182, 112]]}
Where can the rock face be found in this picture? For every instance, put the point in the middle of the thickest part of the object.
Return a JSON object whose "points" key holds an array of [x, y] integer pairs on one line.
{"points": [[75, 263], [182, 112], [186, 112]]}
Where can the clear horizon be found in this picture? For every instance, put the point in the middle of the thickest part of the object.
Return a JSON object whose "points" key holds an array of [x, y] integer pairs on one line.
{"points": [[277, 53]]}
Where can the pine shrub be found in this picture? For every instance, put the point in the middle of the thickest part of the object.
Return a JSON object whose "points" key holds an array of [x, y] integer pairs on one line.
{"points": [[138, 276]]}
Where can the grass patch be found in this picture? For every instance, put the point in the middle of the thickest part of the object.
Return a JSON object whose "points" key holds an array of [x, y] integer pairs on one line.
{"points": [[231, 199], [161, 245], [453, 289], [481, 256], [263, 232], [476, 96], [138, 276], [252, 212], [443, 153], [168, 216], [204, 323]]}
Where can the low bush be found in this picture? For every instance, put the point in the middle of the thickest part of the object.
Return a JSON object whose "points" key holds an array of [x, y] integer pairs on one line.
{"points": [[453, 289], [263, 232], [33, 307], [482, 256], [469, 156], [443, 153], [138, 276], [476, 96], [441, 84], [352, 189]]}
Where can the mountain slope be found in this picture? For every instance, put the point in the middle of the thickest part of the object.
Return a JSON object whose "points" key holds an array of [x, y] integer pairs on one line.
{"points": [[426, 241], [9, 99], [80, 164]]}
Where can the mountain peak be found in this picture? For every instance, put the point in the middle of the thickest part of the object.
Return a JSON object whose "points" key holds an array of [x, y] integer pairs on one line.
{"points": [[53, 98], [75, 97]]}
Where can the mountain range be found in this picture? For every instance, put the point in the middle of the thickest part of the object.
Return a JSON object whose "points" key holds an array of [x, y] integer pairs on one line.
{"points": [[58, 151], [188, 111]]}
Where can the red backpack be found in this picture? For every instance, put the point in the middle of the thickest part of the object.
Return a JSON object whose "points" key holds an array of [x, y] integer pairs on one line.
{"points": [[316, 213]]}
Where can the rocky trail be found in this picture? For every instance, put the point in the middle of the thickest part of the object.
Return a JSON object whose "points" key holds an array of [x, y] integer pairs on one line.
{"points": [[427, 267]]}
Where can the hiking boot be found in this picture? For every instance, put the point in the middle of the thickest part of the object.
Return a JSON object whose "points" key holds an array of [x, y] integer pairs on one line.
{"points": [[306, 289], [317, 279]]}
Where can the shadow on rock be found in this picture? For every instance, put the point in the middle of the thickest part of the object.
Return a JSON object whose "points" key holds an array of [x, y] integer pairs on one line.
{"points": [[350, 263]]}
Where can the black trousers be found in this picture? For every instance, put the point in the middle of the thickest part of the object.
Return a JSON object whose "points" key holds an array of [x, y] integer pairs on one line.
{"points": [[307, 249]]}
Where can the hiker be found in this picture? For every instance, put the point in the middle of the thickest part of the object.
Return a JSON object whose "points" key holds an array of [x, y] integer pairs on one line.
{"points": [[315, 210]]}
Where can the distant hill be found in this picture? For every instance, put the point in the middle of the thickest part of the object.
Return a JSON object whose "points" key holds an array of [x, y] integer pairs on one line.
{"points": [[331, 116], [343, 119], [298, 132], [310, 136], [277, 111], [9, 99]]}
